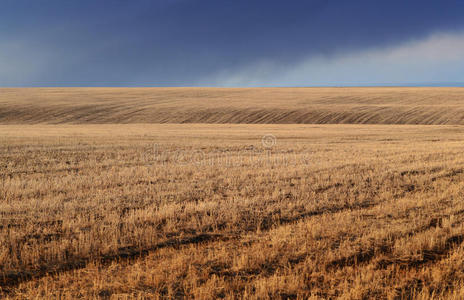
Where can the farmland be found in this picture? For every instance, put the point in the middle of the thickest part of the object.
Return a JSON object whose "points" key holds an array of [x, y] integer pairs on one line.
{"points": [[103, 198], [386, 105]]}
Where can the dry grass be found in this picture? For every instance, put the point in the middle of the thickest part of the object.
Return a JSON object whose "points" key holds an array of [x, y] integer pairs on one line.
{"points": [[253, 105], [348, 211]]}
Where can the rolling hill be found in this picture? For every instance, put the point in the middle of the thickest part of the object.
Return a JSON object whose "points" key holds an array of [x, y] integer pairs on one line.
{"points": [[387, 105]]}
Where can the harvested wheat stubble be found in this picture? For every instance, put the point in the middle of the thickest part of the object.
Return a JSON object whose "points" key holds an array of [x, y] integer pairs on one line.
{"points": [[350, 211], [233, 105]]}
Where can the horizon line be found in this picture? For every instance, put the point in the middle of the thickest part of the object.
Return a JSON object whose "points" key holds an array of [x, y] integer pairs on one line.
{"points": [[456, 85]]}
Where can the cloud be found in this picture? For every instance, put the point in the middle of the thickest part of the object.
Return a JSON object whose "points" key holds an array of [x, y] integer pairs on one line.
{"points": [[185, 43], [439, 58], [16, 64]]}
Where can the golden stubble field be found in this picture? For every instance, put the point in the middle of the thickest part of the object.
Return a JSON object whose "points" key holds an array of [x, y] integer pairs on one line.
{"points": [[208, 211], [349, 105]]}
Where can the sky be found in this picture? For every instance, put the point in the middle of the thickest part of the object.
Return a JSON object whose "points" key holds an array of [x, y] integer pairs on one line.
{"points": [[231, 43]]}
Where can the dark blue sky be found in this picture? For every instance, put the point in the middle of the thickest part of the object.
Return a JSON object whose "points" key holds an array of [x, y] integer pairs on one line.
{"points": [[230, 43]]}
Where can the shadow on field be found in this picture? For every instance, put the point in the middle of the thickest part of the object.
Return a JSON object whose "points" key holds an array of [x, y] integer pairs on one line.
{"points": [[10, 280]]}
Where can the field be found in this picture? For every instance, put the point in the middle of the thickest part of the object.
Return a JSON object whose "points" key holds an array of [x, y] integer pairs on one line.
{"points": [[99, 201], [429, 106]]}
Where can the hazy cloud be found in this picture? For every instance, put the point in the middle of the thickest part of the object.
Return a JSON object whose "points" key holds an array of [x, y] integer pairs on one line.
{"points": [[438, 58]]}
